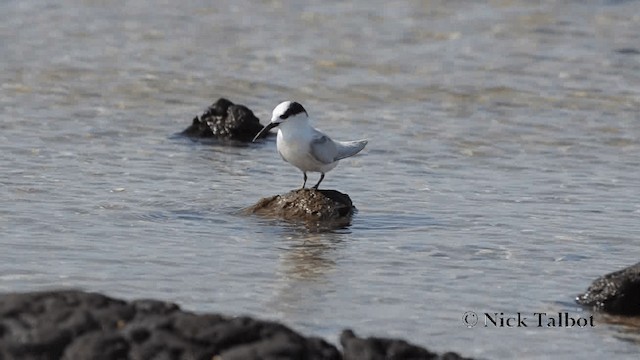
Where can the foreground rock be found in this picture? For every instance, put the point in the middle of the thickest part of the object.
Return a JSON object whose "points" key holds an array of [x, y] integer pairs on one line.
{"points": [[225, 120], [307, 205], [356, 348], [78, 325], [615, 293]]}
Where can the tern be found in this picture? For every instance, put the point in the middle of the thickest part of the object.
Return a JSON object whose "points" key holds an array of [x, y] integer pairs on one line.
{"points": [[305, 147]]}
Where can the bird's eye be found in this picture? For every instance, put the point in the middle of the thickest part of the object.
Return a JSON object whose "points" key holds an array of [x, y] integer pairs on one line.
{"points": [[284, 116]]}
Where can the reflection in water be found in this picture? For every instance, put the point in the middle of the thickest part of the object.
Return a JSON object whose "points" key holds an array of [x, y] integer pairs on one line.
{"points": [[306, 261], [309, 255], [627, 327]]}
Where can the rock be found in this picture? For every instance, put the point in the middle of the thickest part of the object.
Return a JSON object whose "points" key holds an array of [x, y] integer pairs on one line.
{"points": [[76, 325], [225, 120], [615, 293], [79, 325], [628, 51], [307, 205], [374, 348]]}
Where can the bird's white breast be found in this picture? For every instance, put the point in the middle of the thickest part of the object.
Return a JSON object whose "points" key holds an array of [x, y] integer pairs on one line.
{"points": [[294, 145]]}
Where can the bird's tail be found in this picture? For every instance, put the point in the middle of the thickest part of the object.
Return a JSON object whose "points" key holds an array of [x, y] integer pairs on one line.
{"points": [[349, 148]]}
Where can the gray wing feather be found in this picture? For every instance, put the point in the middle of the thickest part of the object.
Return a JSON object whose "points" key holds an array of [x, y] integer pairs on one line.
{"points": [[323, 149], [349, 148]]}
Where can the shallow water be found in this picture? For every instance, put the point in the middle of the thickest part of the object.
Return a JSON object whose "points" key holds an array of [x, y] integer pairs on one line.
{"points": [[500, 175]]}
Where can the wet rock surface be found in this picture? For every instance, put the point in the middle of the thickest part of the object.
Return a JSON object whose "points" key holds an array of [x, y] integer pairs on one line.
{"points": [[615, 293], [307, 205], [225, 120], [78, 325], [374, 348]]}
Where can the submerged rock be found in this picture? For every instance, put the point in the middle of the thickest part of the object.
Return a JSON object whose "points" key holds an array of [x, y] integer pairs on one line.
{"points": [[615, 293], [375, 348], [225, 120], [79, 325], [307, 205], [628, 51]]}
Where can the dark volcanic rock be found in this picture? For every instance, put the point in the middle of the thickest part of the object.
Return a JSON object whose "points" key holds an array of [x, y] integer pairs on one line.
{"points": [[307, 205], [225, 120], [78, 325], [374, 348], [615, 293], [75, 325]]}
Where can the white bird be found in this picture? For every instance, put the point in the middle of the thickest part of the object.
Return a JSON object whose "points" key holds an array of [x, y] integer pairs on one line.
{"points": [[305, 147]]}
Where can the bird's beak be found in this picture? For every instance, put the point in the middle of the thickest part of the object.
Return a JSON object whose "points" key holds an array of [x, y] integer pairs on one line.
{"points": [[265, 130]]}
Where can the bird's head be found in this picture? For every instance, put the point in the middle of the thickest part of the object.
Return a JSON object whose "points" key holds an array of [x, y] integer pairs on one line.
{"points": [[285, 111]]}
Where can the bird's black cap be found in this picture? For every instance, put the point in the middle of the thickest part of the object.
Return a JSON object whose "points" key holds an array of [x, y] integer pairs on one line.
{"points": [[293, 109]]}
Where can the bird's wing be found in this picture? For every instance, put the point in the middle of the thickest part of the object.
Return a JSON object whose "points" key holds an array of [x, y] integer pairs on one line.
{"points": [[323, 149], [349, 148]]}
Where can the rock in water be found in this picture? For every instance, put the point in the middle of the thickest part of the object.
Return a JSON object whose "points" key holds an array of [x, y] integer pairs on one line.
{"points": [[375, 348], [615, 293], [307, 205], [75, 325], [225, 120]]}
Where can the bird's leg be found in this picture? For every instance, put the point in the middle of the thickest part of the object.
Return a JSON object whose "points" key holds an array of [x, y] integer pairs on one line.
{"points": [[305, 179], [319, 181]]}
